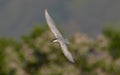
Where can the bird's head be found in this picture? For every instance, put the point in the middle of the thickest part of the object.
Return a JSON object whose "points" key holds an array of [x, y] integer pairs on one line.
{"points": [[55, 40]]}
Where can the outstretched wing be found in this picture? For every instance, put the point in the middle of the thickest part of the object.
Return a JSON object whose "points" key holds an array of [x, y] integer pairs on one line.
{"points": [[52, 25], [66, 52], [57, 34]]}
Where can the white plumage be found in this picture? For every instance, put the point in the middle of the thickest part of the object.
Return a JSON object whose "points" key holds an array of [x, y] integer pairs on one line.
{"points": [[59, 37]]}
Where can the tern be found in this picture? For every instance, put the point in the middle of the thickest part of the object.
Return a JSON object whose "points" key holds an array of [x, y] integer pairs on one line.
{"points": [[59, 37]]}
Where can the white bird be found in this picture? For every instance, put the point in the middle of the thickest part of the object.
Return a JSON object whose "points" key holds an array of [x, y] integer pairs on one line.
{"points": [[59, 37]]}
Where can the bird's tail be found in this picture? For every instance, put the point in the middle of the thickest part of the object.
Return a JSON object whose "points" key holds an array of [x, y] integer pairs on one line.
{"points": [[66, 41]]}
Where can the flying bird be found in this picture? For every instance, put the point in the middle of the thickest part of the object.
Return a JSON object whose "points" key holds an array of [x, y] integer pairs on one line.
{"points": [[59, 37]]}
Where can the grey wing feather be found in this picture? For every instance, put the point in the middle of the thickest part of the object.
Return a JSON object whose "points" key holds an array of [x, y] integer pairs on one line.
{"points": [[66, 52], [51, 25]]}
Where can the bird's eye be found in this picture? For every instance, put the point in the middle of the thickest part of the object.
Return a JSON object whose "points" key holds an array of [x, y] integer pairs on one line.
{"points": [[55, 39]]}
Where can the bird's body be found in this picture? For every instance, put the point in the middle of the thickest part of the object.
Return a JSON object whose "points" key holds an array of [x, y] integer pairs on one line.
{"points": [[59, 37]]}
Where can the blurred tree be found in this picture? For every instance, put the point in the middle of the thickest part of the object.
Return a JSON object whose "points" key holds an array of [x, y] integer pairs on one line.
{"points": [[114, 37], [36, 55]]}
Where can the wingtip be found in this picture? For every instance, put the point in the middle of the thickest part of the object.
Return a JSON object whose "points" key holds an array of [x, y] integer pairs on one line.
{"points": [[72, 61], [46, 12], [70, 58]]}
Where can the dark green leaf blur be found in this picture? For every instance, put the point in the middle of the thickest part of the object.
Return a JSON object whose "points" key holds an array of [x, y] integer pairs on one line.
{"points": [[36, 54]]}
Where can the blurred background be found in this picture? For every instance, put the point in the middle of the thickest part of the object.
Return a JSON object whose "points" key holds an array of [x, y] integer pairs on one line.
{"points": [[20, 16], [92, 26]]}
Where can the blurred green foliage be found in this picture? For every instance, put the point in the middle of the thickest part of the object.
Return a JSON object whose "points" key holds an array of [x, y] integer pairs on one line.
{"points": [[114, 36], [35, 54]]}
